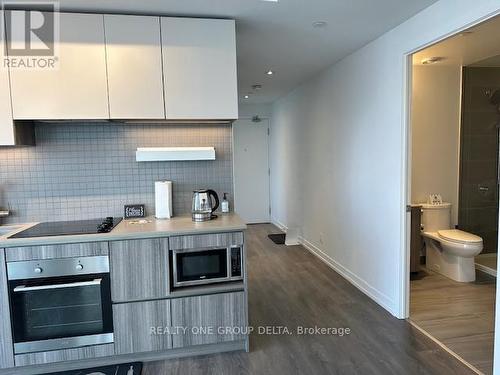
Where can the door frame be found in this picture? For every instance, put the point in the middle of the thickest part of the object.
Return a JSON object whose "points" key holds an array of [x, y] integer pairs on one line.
{"points": [[246, 118], [403, 311]]}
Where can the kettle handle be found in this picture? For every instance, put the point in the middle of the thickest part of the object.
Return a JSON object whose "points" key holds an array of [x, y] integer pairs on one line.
{"points": [[214, 194]]}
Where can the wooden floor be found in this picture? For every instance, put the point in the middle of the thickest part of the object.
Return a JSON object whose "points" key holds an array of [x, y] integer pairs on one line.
{"points": [[460, 315], [290, 287]]}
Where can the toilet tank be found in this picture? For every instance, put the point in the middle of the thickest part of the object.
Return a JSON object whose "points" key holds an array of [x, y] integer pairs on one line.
{"points": [[436, 217]]}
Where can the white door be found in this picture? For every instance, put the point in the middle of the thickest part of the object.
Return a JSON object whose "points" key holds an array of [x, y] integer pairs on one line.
{"points": [[135, 82], [251, 170]]}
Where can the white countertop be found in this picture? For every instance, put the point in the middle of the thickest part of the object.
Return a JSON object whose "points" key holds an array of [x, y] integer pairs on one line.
{"points": [[134, 229]]}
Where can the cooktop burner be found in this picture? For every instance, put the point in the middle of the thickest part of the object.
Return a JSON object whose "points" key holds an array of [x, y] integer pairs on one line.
{"points": [[65, 228]]}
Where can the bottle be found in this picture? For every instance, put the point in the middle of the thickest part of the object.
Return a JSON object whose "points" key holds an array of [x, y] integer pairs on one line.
{"points": [[225, 204]]}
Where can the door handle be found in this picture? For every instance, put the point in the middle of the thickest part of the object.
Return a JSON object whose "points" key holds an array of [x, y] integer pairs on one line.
{"points": [[24, 288]]}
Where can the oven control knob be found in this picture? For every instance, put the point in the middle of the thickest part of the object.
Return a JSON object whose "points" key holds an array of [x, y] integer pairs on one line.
{"points": [[79, 267], [38, 269]]}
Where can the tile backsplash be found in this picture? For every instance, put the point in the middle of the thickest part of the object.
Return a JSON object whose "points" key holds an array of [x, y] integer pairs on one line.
{"points": [[88, 170]]}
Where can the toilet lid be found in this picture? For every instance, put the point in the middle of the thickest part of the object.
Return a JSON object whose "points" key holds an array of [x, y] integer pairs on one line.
{"points": [[456, 235]]}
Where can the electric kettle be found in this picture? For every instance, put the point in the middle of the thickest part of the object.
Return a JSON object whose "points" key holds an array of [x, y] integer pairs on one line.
{"points": [[203, 206]]}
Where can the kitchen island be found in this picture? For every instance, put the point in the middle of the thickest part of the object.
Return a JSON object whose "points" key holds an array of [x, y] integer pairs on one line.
{"points": [[161, 305]]}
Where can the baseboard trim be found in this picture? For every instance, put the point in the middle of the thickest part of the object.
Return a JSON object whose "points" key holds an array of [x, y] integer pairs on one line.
{"points": [[485, 269], [359, 283], [280, 225]]}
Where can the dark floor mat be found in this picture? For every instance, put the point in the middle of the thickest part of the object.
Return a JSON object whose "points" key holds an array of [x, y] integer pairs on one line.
{"points": [[124, 369], [278, 239]]}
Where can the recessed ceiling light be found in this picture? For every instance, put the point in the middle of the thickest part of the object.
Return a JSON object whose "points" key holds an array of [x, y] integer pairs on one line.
{"points": [[247, 96], [432, 60], [269, 72], [320, 24]]}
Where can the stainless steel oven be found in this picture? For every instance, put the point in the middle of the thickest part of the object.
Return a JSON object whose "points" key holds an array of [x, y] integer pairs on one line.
{"points": [[60, 303], [207, 266]]}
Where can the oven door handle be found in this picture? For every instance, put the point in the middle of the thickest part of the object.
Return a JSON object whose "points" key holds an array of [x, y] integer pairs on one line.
{"points": [[24, 288]]}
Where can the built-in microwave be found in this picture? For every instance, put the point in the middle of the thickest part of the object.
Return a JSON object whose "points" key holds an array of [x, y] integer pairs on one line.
{"points": [[206, 266]]}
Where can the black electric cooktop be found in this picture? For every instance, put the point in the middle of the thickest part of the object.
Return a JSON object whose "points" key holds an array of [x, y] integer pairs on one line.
{"points": [[65, 228]]}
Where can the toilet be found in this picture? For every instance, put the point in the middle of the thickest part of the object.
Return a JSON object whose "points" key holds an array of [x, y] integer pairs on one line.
{"points": [[449, 252]]}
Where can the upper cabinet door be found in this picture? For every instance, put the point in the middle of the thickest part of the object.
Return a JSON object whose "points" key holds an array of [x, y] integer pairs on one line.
{"points": [[135, 78], [6, 125], [77, 89], [199, 67]]}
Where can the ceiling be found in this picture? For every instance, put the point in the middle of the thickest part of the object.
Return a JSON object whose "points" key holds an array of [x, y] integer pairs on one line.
{"points": [[477, 46], [279, 35]]}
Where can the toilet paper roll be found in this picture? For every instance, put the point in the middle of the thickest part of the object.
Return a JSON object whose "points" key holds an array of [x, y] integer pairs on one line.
{"points": [[163, 199]]}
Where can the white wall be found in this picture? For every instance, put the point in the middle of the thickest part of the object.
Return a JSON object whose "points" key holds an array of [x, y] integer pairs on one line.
{"points": [[248, 110], [435, 133], [338, 155]]}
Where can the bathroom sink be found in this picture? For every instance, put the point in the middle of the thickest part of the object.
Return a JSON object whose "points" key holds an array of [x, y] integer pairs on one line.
{"points": [[6, 229]]}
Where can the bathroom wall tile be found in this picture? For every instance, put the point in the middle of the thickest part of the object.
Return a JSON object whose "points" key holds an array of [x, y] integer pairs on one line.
{"points": [[478, 210], [478, 171], [480, 123], [480, 147], [85, 170]]}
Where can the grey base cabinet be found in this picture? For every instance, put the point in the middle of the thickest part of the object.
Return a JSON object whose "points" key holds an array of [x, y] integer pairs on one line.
{"points": [[86, 352], [73, 250], [208, 319], [142, 326], [139, 269]]}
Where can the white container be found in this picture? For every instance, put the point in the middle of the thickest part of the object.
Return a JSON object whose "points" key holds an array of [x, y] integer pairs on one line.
{"points": [[163, 199], [225, 204]]}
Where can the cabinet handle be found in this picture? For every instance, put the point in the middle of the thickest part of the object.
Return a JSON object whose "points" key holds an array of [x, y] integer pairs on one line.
{"points": [[24, 288]]}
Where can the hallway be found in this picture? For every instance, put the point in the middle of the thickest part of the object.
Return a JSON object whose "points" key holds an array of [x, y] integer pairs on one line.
{"points": [[289, 287]]}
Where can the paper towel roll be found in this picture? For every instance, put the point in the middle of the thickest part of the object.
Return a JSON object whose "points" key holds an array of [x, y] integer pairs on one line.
{"points": [[163, 199]]}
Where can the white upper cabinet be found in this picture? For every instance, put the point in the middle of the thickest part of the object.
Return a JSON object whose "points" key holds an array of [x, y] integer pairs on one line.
{"points": [[135, 78], [199, 67], [6, 124], [77, 89]]}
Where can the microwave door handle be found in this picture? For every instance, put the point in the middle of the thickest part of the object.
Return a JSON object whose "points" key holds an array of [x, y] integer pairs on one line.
{"points": [[24, 288]]}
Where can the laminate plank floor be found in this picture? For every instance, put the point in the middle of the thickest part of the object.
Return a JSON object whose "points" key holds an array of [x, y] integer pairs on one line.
{"points": [[460, 315], [288, 286]]}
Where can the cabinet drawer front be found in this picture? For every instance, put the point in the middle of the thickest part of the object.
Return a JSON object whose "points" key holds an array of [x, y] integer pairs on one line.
{"points": [[136, 324], [210, 313], [206, 240], [86, 352], [139, 269], [57, 251]]}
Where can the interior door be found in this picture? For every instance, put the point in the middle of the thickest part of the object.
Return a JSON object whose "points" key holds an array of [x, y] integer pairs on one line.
{"points": [[251, 170]]}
